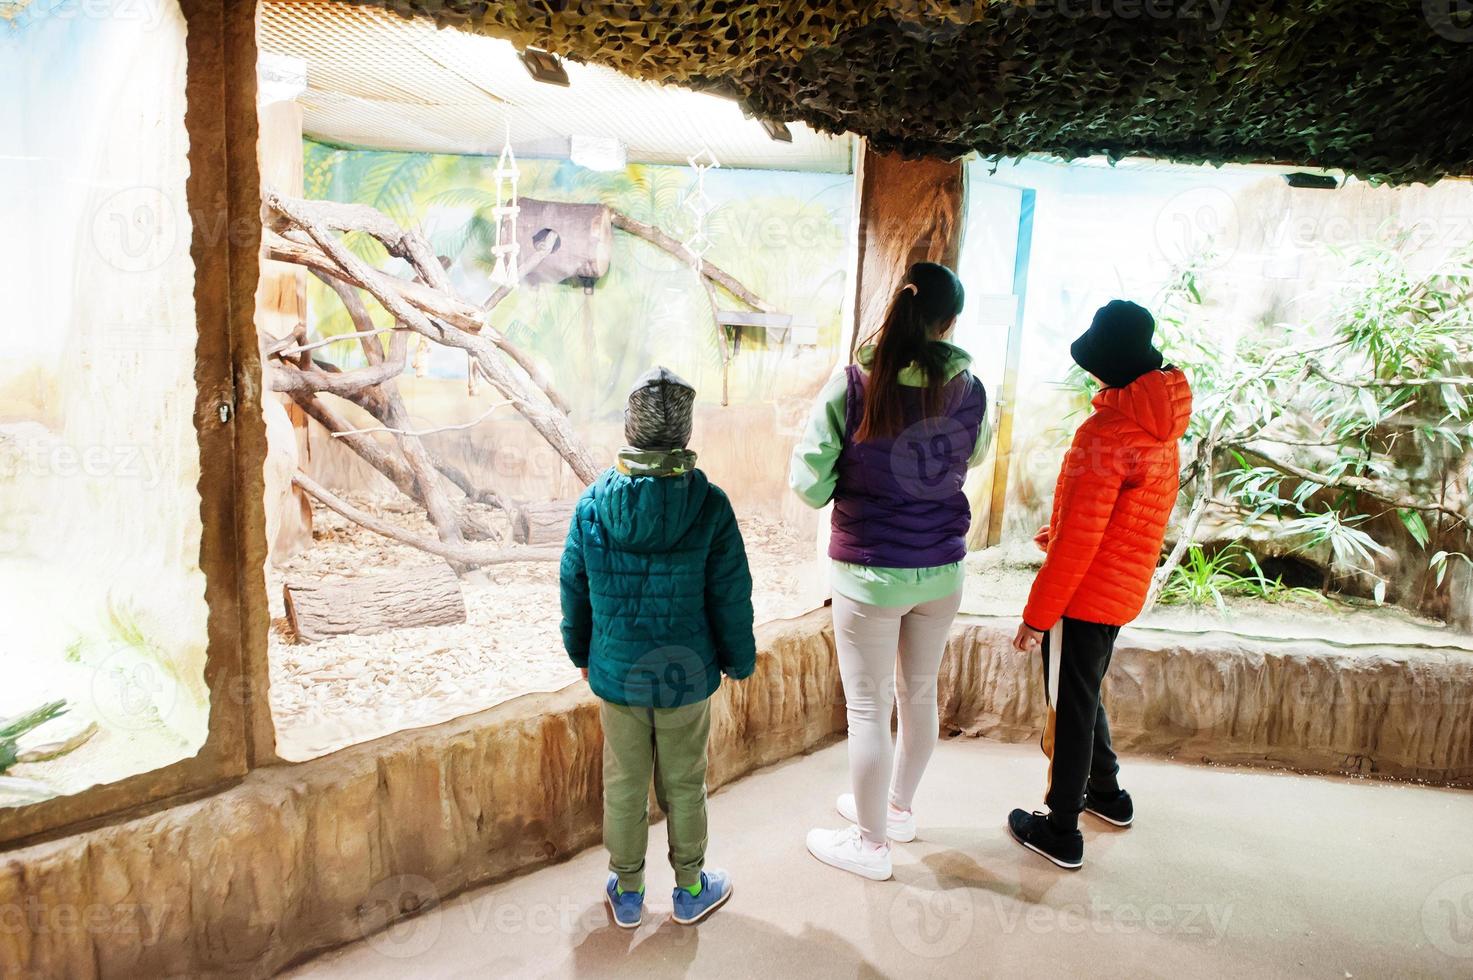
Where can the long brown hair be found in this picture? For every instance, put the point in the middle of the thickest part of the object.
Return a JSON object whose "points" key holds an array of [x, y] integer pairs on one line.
{"points": [[927, 302]]}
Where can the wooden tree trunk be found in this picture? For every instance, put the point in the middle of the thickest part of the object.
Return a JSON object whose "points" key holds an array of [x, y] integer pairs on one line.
{"points": [[426, 596], [543, 523]]}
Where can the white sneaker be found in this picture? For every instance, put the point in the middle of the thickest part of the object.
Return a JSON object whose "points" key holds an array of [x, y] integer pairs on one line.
{"points": [[843, 849], [899, 826]]}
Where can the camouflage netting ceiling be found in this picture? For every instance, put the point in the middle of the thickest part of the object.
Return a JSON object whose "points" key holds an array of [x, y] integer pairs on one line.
{"points": [[1380, 88]]}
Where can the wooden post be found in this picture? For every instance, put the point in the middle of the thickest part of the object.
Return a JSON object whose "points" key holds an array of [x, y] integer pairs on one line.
{"points": [[281, 311], [1008, 399], [909, 211]]}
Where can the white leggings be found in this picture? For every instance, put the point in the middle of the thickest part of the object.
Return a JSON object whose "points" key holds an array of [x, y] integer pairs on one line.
{"points": [[890, 654]]}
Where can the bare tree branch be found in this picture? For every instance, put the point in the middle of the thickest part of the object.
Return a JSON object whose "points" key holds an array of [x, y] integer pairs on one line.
{"points": [[1388, 382], [430, 431], [661, 240], [1355, 484], [458, 554]]}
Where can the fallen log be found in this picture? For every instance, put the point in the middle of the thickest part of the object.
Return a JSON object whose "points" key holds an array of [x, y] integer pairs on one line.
{"points": [[541, 523], [427, 596]]}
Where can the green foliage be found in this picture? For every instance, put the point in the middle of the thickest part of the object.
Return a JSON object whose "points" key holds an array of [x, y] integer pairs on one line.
{"points": [[123, 626], [1332, 424], [11, 729], [1202, 579]]}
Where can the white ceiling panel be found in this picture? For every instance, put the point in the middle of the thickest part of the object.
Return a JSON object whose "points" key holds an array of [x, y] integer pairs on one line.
{"points": [[375, 79]]}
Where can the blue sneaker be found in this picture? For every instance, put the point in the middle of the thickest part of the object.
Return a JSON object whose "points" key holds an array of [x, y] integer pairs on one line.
{"points": [[715, 890], [626, 907]]}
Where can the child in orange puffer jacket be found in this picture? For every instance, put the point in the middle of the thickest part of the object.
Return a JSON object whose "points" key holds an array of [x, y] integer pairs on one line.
{"points": [[1115, 493]]}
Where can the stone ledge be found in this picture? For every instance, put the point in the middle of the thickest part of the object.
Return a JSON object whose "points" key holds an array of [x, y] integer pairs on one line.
{"points": [[1362, 710], [300, 858]]}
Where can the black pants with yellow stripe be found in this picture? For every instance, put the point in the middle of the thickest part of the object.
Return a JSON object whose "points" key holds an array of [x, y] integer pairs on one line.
{"points": [[1076, 738]]}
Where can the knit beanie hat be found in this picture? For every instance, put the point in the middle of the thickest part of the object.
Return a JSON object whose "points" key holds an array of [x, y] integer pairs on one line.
{"points": [[1117, 346], [659, 412]]}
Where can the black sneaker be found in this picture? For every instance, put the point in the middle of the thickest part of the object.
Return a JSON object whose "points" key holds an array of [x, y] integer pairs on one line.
{"points": [[1118, 811], [1034, 832]]}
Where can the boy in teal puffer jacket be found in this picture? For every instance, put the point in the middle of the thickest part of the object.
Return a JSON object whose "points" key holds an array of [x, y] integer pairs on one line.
{"points": [[657, 605]]}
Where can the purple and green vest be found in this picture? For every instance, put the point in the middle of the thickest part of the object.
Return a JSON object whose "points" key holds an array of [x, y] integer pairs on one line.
{"points": [[899, 502]]}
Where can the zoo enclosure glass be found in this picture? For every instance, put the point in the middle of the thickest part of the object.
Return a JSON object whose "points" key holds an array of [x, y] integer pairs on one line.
{"points": [[101, 579]]}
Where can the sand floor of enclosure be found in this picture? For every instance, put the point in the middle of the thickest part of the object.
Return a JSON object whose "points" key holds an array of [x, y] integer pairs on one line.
{"points": [[350, 689], [1227, 872]]}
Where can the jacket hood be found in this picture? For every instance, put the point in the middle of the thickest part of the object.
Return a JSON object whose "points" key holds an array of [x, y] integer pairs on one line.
{"points": [[649, 513], [957, 361], [1158, 402]]}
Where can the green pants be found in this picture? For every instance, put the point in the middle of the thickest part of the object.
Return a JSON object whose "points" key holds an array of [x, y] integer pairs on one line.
{"points": [[669, 743]]}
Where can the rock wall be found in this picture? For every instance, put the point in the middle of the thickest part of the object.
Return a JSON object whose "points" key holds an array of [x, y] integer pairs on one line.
{"points": [[1369, 710], [296, 859]]}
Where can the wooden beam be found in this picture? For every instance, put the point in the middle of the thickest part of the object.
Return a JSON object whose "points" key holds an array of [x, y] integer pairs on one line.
{"points": [[909, 211], [1008, 398]]}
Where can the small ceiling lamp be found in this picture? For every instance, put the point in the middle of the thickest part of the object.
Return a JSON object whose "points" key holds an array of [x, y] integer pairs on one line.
{"points": [[545, 66], [1314, 182], [777, 130]]}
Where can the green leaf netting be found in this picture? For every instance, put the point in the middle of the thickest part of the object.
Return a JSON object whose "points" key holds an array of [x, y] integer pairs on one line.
{"points": [[1380, 88]]}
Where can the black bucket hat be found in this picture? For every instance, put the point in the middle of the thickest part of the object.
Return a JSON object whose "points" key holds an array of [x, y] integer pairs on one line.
{"points": [[1117, 347]]}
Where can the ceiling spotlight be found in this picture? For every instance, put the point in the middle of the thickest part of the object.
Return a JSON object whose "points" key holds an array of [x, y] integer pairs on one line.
{"points": [[777, 130], [1314, 182], [545, 66]]}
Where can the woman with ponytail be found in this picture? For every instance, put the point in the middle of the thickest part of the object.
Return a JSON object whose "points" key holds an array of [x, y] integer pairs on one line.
{"points": [[889, 443]]}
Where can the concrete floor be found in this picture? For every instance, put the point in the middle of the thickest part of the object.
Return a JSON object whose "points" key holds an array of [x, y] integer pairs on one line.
{"points": [[1227, 872]]}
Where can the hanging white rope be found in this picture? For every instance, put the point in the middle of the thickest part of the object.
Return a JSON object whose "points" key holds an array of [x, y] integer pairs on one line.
{"points": [[699, 205], [506, 249]]}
